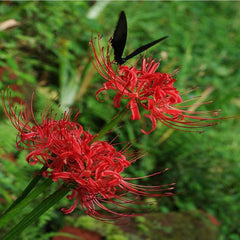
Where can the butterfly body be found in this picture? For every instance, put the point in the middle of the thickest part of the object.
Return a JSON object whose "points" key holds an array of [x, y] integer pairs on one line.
{"points": [[119, 39]]}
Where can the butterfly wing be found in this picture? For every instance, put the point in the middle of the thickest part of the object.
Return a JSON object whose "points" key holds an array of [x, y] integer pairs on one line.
{"points": [[119, 38], [143, 48]]}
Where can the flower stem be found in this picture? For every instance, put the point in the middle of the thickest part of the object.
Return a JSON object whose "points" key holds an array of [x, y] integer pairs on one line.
{"points": [[109, 126], [29, 187], [23, 202], [36, 213]]}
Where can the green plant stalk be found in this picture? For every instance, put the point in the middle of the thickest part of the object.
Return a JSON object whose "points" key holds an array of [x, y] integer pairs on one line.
{"points": [[29, 188], [14, 210], [36, 213], [109, 126]]}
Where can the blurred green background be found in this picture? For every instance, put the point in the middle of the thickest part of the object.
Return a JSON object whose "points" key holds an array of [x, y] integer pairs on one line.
{"points": [[44, 48]]}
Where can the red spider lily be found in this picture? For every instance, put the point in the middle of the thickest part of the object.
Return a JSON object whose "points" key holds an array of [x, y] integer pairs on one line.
{"points": [[91, 168], [154, 91]]}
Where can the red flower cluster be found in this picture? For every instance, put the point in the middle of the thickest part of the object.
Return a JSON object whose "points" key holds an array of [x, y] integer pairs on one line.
{"points": [[92, 168], [154, 91]]}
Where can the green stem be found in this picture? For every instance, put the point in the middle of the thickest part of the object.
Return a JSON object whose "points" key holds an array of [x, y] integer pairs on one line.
{"points": [[13, 211], [36, 213], [109, 126], [29, 187]]}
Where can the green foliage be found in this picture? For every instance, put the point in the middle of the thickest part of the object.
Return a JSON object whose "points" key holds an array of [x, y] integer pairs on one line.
{"points": [[110, 231], [48, 53], [117, 237], [6, 129], [182, 225]]}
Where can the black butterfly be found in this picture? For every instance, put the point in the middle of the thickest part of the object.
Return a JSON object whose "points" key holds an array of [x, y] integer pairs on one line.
{"points": [[119, 41]]}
